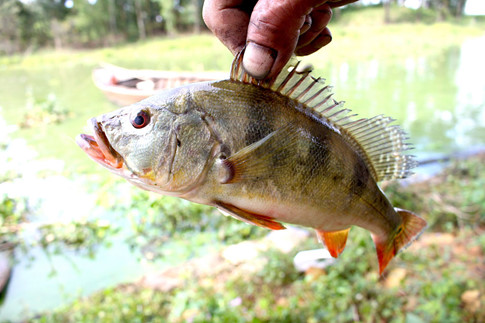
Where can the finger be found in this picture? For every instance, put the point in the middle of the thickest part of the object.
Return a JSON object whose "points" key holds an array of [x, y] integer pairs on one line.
{"points": [[228, 20], [320, 18], [306, 25], [322, 40], [340, 3], [273, 33]]}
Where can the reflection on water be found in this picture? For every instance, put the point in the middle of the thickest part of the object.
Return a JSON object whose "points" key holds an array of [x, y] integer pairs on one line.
{"points": [[469, 118], [439, 100]]}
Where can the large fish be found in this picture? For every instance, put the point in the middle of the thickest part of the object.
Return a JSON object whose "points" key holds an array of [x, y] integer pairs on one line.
{"points": [[265, 152]]}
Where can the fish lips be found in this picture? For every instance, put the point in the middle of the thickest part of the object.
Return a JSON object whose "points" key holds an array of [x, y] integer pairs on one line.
{"points": [[98, 147]]}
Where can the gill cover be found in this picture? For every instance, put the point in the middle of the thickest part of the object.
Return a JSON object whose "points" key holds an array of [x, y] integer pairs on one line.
{"points": [[164, 142]]}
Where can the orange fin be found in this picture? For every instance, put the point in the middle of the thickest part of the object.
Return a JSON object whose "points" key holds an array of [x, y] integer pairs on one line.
{"points": [[251, 218], [411, 227], [334, 240]]}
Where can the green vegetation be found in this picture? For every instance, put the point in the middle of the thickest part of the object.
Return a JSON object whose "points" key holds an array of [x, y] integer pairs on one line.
{"points": [[13, 209], [437, 279], [155, 219], [452, 199], [43, 112], [30, 25], [16, 209]]}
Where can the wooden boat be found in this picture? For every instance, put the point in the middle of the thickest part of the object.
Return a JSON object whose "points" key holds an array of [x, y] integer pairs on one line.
{"points": [[125, 86]]}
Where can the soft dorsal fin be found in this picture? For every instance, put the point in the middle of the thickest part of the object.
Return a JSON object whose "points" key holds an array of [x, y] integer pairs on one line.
{"points": [[380, 144]]}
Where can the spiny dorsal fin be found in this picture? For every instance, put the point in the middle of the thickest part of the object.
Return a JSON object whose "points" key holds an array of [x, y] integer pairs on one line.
{"points": [[380, 144]]}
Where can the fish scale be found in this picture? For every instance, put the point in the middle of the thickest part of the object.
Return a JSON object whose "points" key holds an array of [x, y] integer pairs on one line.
{"points": [[266, 152]]}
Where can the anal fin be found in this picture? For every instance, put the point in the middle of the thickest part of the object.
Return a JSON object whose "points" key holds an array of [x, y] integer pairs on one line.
{"points": [[249, 217], [334, 240]]}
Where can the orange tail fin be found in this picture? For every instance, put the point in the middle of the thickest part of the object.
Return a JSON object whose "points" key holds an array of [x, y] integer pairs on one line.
{"points": [[410, 228], [334, 240]]}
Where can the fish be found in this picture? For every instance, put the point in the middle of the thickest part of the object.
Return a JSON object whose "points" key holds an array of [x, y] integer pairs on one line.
{"points": [[266, 152]]}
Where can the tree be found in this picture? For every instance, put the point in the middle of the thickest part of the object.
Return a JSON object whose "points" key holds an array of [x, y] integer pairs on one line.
{"points": [[10, 26], [387, 11], [457, 7], [140, 17]]}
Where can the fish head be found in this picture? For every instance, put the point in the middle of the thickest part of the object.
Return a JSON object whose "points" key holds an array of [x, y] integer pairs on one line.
{"points": [[158, 144]]}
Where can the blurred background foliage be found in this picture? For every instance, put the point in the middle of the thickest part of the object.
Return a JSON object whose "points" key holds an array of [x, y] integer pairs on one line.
{"points": [[28, 25]]}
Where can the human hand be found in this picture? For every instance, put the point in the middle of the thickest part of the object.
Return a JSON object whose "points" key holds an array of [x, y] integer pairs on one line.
{"points": [[272, 30]]}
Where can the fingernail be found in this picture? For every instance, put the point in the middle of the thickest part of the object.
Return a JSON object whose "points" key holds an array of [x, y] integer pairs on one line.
{"points": [[258, 60]]}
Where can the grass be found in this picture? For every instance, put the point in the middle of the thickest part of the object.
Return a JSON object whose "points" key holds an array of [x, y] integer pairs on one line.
{"points": [[167, 53], [437, 279]]}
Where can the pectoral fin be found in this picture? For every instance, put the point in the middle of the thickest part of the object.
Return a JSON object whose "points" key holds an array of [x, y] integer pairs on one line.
{"points": [[262, 158], [251, 218], [334, 240]]}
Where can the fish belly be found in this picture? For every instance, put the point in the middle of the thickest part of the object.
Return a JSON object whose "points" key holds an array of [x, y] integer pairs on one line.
{"points": [[298, 214]]}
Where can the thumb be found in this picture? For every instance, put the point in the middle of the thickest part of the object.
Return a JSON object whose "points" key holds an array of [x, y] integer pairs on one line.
{"points": [[273, 32]]}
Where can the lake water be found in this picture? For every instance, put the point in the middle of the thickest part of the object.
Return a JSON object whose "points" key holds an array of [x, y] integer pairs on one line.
{"points": [[438, 99]]}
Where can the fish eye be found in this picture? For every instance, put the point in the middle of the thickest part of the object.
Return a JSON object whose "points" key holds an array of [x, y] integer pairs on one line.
{"points": [[141, 119]]}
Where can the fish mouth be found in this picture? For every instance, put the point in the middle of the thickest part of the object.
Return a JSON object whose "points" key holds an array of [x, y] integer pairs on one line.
{"points": [[98, 147]]}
